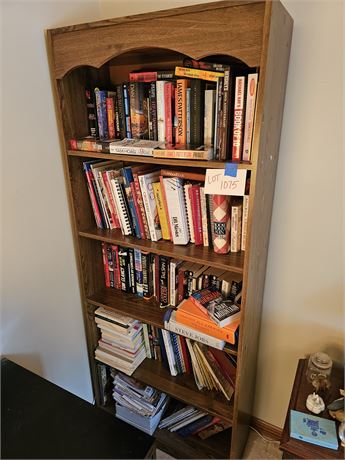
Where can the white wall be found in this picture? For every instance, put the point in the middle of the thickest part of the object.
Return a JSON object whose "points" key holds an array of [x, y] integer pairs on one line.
{"points": [[41, 320], [41, 315]]}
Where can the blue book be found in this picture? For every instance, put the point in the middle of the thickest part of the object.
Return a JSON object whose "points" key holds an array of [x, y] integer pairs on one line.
{"points": [[127, 111], [101, 107], [127, 179], [316, 430]]}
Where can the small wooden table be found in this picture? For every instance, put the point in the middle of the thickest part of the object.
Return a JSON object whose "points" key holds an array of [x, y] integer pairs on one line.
{"points": [[294, 448]]}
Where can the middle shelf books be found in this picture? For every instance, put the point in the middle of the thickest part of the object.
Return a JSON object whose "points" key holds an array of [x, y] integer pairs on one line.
{"points": [[154, 204]]}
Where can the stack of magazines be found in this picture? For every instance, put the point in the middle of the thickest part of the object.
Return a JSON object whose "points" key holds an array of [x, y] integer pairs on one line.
{"points": [[122, 343], [139, 405]]}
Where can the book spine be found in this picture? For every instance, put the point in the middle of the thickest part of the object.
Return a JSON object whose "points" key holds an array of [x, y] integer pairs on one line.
{"points": [[140, 202], [147, 341], [181, 111], [100, 198], [155, 276], [188, 91], [128, 179], [200, 74], [120, 109], [100, 97], [110, 116], [177, 209], [93, 200], [210, 95], [244, 222], [91, 112], [105, 265], [116, 265], [121, 206], [126, 105], [168, 98], [123, 263], [147, 275], [224, 126], [236, 221], [197, 113], [183, 175], [137, 211], [180, 285], [160, 110], [132, 270], [153, 112], [176, 352], [238, 118], [204, 220], [139, 126], [169, 353], [138, 272], [144, 77], [183, 154], [150, 208], [172, 283], [218, 117], [220, 225], [189, 214], [250, 114], [110, 266], [194, 194], [114, 216], [163, 219], [163, 281], [165, 205]]}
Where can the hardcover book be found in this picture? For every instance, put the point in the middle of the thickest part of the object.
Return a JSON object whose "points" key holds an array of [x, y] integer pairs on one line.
{"points": [[211, 302], [316, 430]]}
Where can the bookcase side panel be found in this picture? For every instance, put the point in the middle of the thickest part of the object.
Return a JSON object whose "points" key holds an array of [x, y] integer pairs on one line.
{"points": [[234, 31], [274, 69]]}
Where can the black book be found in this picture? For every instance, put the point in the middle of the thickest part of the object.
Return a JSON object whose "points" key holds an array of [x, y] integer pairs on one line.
{"points": [[164, 281], [120, 113], [91, 112], [132, 271], [196, 112], [147, 274], [124, 272]]}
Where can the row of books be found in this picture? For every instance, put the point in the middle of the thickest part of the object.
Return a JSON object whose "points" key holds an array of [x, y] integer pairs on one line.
{"points": [[166, 279], [153, 204], [190, 421], [213, 106]]}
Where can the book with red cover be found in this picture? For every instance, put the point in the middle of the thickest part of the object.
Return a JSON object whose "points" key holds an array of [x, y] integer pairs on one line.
{"points": [[185, 353], [169, 96], [194, 195], [220, 223], [189, 314], [105, 264], [116, 266], [228, 369], [109, 101]]}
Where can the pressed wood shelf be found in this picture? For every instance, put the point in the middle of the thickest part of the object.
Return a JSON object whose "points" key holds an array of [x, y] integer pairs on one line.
{"points": [[191, 253], [157, 161], [147, 311]]}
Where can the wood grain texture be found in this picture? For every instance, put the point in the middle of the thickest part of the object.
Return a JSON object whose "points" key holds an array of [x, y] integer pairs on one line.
{"points": [[273, 76], [234, 31], [200, 254], [293, 448]]}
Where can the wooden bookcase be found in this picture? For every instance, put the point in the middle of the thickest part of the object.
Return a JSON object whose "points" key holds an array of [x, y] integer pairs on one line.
{"points": [[257, 33]]}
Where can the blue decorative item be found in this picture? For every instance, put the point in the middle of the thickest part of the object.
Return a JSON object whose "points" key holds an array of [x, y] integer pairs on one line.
{"points": [[316, 430]]}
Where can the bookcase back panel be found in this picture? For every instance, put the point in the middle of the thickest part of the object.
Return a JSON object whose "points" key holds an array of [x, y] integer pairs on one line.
{"points": [[233, 30]]}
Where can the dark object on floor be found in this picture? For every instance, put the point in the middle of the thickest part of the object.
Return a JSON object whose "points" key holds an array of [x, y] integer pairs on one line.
{"points": [[41, 420]]}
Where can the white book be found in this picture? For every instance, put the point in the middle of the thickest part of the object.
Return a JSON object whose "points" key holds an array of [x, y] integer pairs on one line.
{"points": [[169, 352], [174, 265], [236, 224], [204, 217], [187, 421], [146, 181], [244, 221], [141, 147], [199, 381], [186, 188], [250, 114], [96, 167], [178, 328], [210, 102], [121, 205], [160, 110], [177, 209]]}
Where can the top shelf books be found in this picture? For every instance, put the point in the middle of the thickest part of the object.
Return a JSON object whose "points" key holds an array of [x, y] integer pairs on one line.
{"points": [[195, 111]]}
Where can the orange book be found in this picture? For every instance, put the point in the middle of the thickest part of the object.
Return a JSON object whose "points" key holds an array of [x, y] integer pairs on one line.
{"points": [[190, 315], [181, 111]]}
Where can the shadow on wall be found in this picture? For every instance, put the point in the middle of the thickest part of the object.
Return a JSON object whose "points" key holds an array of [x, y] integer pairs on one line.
{"points": [[30, 361]]}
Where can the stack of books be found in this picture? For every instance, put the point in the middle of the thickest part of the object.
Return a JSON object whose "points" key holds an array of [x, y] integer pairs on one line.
{"points": [[121, 345], [137, 404], [197, 110], [168, 280], [168, 204], [189, 421]]}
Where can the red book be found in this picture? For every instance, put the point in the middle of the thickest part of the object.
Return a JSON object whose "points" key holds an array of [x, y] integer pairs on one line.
{"points": [[225, 365], [168, 100], [238, 118], [194, 195], [141, 206], [138, 211], [220, 223], [185, 353], [112, 206], [180, 284], [116, 264], [105, 264], [145, 77], [93, 198]]}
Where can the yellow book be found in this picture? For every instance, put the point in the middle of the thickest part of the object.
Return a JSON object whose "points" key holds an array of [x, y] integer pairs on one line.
{"points": [[208, 75], [163, 219]]}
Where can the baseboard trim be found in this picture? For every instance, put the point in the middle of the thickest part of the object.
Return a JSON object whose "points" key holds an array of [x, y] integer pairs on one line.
{"points": [[266, 429]]}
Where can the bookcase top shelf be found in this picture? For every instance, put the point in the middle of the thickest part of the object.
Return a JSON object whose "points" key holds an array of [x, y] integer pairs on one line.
{"points": [[199, 254], [156, 161]]}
